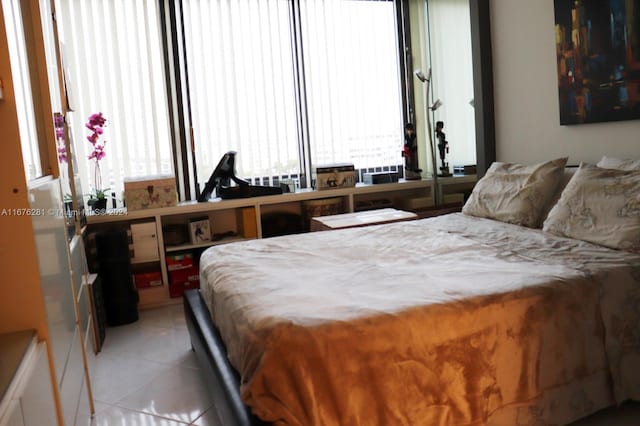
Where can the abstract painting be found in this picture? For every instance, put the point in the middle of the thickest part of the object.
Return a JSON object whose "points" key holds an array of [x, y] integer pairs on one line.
{"points": [[598, 58]]}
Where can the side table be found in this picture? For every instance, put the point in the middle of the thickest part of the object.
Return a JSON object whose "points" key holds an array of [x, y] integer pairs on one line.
{"points": [[357, 219]]}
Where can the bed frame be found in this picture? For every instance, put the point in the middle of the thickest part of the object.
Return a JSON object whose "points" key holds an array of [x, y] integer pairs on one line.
{"points": [[222, 379]]}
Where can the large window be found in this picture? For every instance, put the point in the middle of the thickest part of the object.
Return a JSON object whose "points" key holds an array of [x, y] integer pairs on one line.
{"points": [[353, 82], [20, 72], [242, 85], [113, 62], [286, 83], [290, 84]]}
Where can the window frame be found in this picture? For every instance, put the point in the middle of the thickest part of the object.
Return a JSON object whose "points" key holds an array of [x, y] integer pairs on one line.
{"points": [[180, 100]]}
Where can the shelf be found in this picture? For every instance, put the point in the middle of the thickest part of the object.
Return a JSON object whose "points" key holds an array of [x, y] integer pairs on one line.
{"points": [[204, 244], [243, 217], [135, 261], [189, 207]]}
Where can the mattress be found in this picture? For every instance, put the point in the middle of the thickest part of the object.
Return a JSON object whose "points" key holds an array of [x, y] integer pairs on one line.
{"points": [[448, 320]]}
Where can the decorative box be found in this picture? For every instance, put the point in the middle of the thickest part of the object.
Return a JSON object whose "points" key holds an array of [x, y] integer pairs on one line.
{"points": [[199, 230], [150, 192], [331, 176]]}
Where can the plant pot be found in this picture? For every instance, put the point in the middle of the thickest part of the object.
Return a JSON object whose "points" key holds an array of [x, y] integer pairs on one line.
{"points": [[98, 205]]}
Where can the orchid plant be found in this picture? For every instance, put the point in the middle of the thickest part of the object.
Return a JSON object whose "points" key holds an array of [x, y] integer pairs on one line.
{"points": [[61, 150], [96, 124]]}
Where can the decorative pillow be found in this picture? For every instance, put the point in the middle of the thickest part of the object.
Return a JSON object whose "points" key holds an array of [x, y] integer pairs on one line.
{"points": [[616, 163], [600, 206], [516, 193], [564, 180]]}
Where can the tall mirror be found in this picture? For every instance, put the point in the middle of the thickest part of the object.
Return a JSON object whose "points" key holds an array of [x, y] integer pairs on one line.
{"points": [[69, 179]]}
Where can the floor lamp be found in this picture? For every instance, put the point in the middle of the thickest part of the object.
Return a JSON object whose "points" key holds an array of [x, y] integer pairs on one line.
{"points": [[430, 109]]}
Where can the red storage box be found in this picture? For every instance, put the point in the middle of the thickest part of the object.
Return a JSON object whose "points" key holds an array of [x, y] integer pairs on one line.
{"points": [[179, 261], [183, 274], [147, 279], [183, 279]]}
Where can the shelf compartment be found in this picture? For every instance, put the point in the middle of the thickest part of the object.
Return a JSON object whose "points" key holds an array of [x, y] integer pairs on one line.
{"points": [[204, 244]]}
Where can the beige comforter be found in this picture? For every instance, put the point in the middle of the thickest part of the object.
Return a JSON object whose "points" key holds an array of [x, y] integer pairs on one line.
{"points": [[451, 320]]}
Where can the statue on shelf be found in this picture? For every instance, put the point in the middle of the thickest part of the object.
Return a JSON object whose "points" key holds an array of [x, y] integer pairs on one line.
{"points": [[443, 148], [410, 153]]}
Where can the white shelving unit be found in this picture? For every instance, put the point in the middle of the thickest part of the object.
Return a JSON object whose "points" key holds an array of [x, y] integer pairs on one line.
{"points": [[227, 216]]}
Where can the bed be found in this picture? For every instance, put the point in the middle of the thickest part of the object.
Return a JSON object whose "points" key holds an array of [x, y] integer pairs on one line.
{"points": [[459, 319]]}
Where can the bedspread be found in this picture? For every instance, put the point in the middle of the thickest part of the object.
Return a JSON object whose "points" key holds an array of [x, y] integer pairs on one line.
{"points": [[449, 320]]}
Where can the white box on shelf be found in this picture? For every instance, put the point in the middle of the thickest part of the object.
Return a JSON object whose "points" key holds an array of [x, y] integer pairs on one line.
{"points": [[199, 230], [143, 231], [145, 251], [145, 241], [147, 192]]}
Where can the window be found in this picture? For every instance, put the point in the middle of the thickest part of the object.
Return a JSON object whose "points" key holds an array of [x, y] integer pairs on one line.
{"points": [[242, 85], [289, 83], [285, 83], [353, 82], [23, 90], [113, 62]]}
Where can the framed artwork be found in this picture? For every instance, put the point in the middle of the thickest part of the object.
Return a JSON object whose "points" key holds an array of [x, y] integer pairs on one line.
{"points": [[598, 59]]}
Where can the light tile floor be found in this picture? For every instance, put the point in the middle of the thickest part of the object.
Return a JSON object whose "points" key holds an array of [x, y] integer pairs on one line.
{"points": [[147, 375]]}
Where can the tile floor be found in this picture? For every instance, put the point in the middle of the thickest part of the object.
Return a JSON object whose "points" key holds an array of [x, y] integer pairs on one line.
{"points": [[146, 375]]}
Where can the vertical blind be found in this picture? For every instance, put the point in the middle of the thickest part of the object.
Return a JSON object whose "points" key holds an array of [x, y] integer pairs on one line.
{"points": [[352, 78], [241, 85], [281, 82], [284, 82], [113, 62]]}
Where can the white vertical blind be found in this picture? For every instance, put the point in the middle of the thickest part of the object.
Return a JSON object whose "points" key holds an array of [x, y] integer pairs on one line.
{"points": [[22, 88], [241, 85], [352, 78], [450, 53], [112, 55], [242, 62]]}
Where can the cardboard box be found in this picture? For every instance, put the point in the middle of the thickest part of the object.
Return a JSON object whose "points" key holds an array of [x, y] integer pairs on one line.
{"points": [[332, 176], [149, 192]]}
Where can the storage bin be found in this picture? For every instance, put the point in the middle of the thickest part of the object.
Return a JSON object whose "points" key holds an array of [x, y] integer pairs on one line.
{"points": [[333, 176], [149, 192]]}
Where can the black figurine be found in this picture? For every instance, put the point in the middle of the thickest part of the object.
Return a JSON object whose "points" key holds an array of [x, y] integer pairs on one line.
{"points": [[443, 148], [410, 153]]}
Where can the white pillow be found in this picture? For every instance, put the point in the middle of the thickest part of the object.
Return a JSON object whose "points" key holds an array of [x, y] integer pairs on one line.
{"points": [[601, 206], [619, 164], [516, 193]]}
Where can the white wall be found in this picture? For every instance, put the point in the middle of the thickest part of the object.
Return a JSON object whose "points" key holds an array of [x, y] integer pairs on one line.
{"points": [[526, 95]]}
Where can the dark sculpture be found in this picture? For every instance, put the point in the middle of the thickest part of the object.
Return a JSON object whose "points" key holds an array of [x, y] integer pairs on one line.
{"points": [[221, 178], [443, 148], [410, 153]]}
